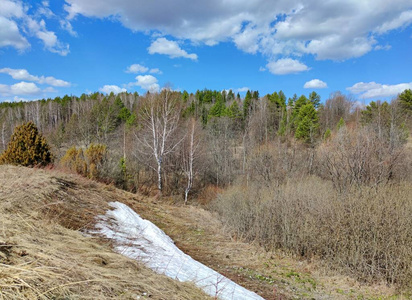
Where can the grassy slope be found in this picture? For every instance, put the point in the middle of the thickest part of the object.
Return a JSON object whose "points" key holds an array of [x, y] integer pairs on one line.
{"points": [[43, 255], [41, 213]]}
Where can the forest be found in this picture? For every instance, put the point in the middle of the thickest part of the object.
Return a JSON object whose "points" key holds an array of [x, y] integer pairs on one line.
{"points": [[328, 180]]}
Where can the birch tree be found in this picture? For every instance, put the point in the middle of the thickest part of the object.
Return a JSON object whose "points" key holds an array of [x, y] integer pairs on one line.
{"points": [[191, 152], [159, 119]]}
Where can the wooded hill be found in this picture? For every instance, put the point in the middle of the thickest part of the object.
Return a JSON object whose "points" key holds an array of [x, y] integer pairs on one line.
{"points": [[327, 180], [214, 135]]}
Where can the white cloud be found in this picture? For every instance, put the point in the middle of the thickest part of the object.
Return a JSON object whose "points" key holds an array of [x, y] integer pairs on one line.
{"points": [[66, 25], [334, 30], [381, 47], [11, 9], [10, 35], [49, 38], [21, 88], [286, 66], [136, 68], [4, 90], [242, 89], [53, 81], [15, 20], [155, 71], [361, 87], [170, 48], [147, 82], [107, 89], [367, 90], [315, 84], [25, 88], [44, 10], [262, 69], [22, 74], [403, 20]]}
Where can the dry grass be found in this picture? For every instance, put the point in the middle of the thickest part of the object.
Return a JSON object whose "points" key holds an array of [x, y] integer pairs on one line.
{"points": [[43, 255]]}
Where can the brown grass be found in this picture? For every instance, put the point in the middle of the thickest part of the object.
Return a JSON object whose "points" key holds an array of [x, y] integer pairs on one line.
{"points": [[43, 254]]}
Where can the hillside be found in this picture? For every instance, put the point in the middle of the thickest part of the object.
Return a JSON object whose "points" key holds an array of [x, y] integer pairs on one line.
{"points": [[45, 255]]}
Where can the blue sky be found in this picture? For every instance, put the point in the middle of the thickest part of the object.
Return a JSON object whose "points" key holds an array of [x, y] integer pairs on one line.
{"points": [[50, 49]]}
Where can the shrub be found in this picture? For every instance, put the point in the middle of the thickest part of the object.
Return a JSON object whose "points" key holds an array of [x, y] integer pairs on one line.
{"points": [[88, 162], [27, 147], [366, 232], [74, 161]]}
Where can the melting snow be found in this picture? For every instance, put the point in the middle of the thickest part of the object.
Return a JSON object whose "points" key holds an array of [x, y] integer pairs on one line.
{"points": [[142, 240]]}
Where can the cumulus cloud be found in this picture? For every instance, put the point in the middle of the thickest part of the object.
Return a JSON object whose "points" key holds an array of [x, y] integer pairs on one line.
{"points": [[147, 82], [367, 90], [315, 84], [282, 28], [107, 89], [286, 66], [22, 74], [136, 68], [15, 20], [21, 88], [170, 48]]}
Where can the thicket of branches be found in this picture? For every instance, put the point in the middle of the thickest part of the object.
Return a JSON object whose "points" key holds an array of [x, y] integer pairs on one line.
{"points": [[300, 169]]}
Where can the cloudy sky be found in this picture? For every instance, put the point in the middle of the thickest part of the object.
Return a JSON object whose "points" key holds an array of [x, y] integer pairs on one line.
{"points": [[53, 48]]}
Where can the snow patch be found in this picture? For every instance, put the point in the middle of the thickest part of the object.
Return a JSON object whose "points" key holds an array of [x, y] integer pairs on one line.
{"points": [[140, 239]]}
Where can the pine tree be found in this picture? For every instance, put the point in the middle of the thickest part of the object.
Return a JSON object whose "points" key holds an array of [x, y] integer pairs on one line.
{"points": [[405, 99], [246, 104], [315, 99], [341, 123], [327, 134], [307, 123], [27, 147]]}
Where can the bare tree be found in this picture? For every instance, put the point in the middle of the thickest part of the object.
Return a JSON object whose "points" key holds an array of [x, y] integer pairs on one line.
{"points": [[336, 107], [191, 152], [160, 118]]}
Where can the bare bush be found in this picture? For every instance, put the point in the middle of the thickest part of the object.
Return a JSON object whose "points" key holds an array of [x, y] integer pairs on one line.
{"points": [[361, 156], [366, 232]]}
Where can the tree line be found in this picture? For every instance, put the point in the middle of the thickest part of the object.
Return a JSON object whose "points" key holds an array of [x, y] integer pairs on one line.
{"points": [[178, 142]]}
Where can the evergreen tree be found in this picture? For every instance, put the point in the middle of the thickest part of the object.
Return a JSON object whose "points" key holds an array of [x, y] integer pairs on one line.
{"points": [[246, 104], [230, 95], [185, 96], [218, 108], [233, 111], [298, 104], [405, 99], [255, 95], [27, 147], [315, 99], [307, 123], [327, 134], [341, 123]]}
